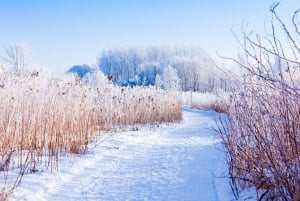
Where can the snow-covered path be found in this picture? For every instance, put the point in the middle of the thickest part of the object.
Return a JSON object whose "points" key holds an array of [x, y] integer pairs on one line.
{"points": [[167, 163]]}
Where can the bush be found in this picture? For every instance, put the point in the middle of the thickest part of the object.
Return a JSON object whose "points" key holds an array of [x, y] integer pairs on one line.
{"points": [[207, 101], [262, 135]]}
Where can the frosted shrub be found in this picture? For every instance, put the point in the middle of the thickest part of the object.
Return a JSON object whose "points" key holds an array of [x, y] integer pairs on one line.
{"points": [[218, 102], [262, 136]]}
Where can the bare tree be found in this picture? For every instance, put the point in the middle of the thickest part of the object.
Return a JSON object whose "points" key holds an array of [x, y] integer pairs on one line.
{"points": [[16, 56]]}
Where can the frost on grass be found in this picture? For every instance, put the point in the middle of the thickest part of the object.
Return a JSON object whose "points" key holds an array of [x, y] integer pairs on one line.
{"points": [[218, 101], [42, 118]]}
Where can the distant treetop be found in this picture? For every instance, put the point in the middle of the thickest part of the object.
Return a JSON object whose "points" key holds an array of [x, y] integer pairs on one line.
{"points": [[80, 70]]}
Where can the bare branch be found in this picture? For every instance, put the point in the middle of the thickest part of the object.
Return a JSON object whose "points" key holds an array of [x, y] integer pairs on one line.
{"points": [[295, 17], [273, 10]]}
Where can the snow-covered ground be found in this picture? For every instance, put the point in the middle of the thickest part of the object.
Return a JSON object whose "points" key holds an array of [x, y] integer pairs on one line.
{"points": [[175, 162]]}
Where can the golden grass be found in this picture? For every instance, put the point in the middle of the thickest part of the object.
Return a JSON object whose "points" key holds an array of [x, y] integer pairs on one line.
{"points": [[44, 118]]}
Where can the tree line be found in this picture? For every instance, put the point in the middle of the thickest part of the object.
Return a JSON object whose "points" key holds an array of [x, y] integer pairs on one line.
{"points": [[178, 68]]}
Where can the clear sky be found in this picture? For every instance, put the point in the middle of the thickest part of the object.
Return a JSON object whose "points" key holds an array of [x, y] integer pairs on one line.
{"points": [[62, 33]]}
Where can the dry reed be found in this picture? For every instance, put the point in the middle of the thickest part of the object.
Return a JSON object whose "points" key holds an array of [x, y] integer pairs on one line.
{"points": [[42, 118]]}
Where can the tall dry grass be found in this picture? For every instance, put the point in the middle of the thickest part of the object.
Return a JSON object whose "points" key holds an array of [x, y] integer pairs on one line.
{"points": [[218, 101], [262, 135], [42, 118]]}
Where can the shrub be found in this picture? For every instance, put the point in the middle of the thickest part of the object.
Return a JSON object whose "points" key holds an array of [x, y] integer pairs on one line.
{"points": [[262, 135], [207, 101]]}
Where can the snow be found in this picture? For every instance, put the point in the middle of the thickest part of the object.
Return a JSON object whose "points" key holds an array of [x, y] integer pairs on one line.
{"points": [[171, 162]]}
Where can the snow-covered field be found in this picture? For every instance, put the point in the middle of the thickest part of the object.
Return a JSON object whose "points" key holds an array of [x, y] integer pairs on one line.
{"points": [[171, 162]]}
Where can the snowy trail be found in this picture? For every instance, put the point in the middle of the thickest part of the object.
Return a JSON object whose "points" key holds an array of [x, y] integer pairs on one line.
{"points": [[168, 163]]}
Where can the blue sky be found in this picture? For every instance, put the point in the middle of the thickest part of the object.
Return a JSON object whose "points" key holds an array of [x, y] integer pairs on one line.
{"points": [[62, 33]]}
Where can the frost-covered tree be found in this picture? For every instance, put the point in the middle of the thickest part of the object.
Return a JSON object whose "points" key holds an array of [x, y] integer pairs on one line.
{"points": [[17, 56], [170, 79], [80, 70], [158, 82], [122, 63], [95, 78], [140, 66]]}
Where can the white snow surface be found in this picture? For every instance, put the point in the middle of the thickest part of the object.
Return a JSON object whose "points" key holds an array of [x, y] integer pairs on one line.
{"points": [[172, 162]]}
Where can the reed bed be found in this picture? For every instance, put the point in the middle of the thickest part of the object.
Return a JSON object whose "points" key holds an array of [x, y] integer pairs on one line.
{"points": [[42, 118]]}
